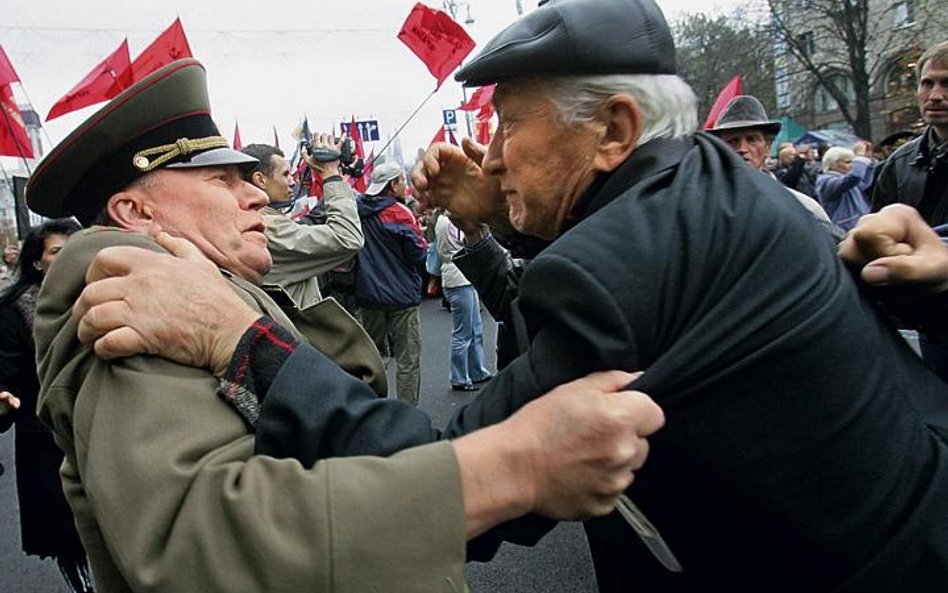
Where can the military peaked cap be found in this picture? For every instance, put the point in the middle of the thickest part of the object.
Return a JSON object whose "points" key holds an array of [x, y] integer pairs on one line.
{"points": [[576, 37], [161, 121]]}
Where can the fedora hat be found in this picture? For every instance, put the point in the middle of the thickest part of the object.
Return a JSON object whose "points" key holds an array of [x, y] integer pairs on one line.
{"points": [[744, 112]]}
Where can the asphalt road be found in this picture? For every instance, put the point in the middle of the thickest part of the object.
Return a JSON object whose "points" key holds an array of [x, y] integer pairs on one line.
{"points": [[559, 564]]}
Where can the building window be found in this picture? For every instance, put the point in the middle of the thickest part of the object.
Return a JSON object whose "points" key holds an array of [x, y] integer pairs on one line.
{"points": [[805, 43], [904, 13], [900, 80], [824, 102]]}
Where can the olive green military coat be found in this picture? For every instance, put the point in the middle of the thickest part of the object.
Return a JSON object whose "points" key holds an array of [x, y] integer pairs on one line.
{"points": [[168, 495]]}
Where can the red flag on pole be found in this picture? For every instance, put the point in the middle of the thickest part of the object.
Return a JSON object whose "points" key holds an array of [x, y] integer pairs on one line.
{"points": [[480, 99], [171, 45], [444, 135], [14, 140], [7, 73], [732, 89], [359, 184], [237, 143], [106, 80], [434, 37]]}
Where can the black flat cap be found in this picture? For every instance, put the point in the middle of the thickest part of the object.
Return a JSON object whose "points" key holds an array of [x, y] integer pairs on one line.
{"points": [[745, 112], [575, 37], [162, 121]]}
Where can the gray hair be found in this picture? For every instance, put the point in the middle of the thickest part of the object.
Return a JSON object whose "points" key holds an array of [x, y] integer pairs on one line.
{"points": [[669, 106], [832, 156]]}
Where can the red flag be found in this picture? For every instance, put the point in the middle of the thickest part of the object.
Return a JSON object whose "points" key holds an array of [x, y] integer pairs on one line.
{"points": [[7, 73], [237, 143], [444, 135], [434, 37], [480, 99], [109, 78], [358, 184], [171, 45], [732, 89], [14, 140], [276, 139]]}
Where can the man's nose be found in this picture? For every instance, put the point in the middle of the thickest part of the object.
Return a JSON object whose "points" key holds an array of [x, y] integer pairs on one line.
{"points": [[252, 196], [493, 163]]}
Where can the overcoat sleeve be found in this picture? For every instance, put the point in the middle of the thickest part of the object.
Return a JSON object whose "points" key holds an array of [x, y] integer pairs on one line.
{"points": [[168, 495]]}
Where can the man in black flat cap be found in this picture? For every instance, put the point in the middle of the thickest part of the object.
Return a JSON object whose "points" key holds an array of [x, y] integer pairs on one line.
{"points": [[806, 446], [170, 489]]}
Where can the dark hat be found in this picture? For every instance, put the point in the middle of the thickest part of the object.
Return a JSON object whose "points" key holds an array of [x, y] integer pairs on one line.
{"points": [[564, 37], [897, 139], [745, 111], [162, 121]]}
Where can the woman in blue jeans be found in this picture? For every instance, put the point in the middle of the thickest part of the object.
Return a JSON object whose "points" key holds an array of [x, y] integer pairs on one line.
{"points": [[467, 335]]}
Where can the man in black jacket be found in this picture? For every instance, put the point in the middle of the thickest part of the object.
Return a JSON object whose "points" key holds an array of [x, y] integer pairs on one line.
{"points": [[804, 450], [917, 174]]}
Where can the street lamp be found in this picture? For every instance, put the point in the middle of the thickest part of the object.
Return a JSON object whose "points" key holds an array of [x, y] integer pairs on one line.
{"points": [[451, 7]]}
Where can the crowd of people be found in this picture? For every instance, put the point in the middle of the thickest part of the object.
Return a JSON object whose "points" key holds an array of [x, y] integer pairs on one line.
{"points": [[676, 307]]}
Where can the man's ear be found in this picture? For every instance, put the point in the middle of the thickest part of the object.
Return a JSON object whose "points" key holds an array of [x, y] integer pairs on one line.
{"points": [[130, 210], [259, 179], [621, 118]]}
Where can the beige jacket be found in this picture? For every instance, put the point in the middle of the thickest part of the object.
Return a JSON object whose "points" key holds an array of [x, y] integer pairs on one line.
{"points": [[168, 496], [301, 252]]}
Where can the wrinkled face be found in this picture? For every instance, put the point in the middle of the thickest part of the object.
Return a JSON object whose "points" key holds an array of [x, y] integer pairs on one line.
{"points": [[52, 245], [279, 185], [751, 144], [933, 96], [543, 166], [216, 210]]}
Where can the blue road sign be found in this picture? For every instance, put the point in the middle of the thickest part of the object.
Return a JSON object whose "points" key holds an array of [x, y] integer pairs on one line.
{"points": [[450, 117], [368, 130]]}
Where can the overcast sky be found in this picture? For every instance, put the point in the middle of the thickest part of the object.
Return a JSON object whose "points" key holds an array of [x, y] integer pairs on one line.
{"points": [[268, 63]]}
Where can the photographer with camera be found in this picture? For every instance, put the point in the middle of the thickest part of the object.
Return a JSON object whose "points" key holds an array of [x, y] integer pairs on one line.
{"points": [[300, 252]]}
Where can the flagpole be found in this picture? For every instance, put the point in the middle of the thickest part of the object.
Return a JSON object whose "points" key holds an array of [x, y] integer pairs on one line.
{"points": [[19, 149], [399, 130], [33, 107]]}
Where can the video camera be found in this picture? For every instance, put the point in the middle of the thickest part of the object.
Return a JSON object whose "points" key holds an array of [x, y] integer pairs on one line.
{"points": [[348, 163]]}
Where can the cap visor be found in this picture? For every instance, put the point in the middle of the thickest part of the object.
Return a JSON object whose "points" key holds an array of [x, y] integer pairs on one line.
{"points": [[216, 158]]}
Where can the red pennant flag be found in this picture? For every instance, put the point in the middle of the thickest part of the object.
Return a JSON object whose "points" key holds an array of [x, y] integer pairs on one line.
{"points": [[732, 89], [276, 139], [109, 78], [434, 37], [14, 140], [237, 143], [171, 45], [7, 73], [480, 99], [444, 135]]}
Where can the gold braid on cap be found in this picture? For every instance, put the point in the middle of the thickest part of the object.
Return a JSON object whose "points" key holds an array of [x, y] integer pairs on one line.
{"points": [[181, 147]]}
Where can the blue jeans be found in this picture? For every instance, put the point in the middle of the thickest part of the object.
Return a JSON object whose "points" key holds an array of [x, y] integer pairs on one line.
{"points": [[467, 336]]}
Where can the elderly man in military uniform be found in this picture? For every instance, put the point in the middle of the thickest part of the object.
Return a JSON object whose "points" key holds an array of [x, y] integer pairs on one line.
{"points": [[806, 446], [168, 484]]}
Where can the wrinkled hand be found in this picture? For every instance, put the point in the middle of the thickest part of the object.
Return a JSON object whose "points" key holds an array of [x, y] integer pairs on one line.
{"points": [[587, 438], [8, 403], [177, 306], [896, 246], [452, 178]]}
